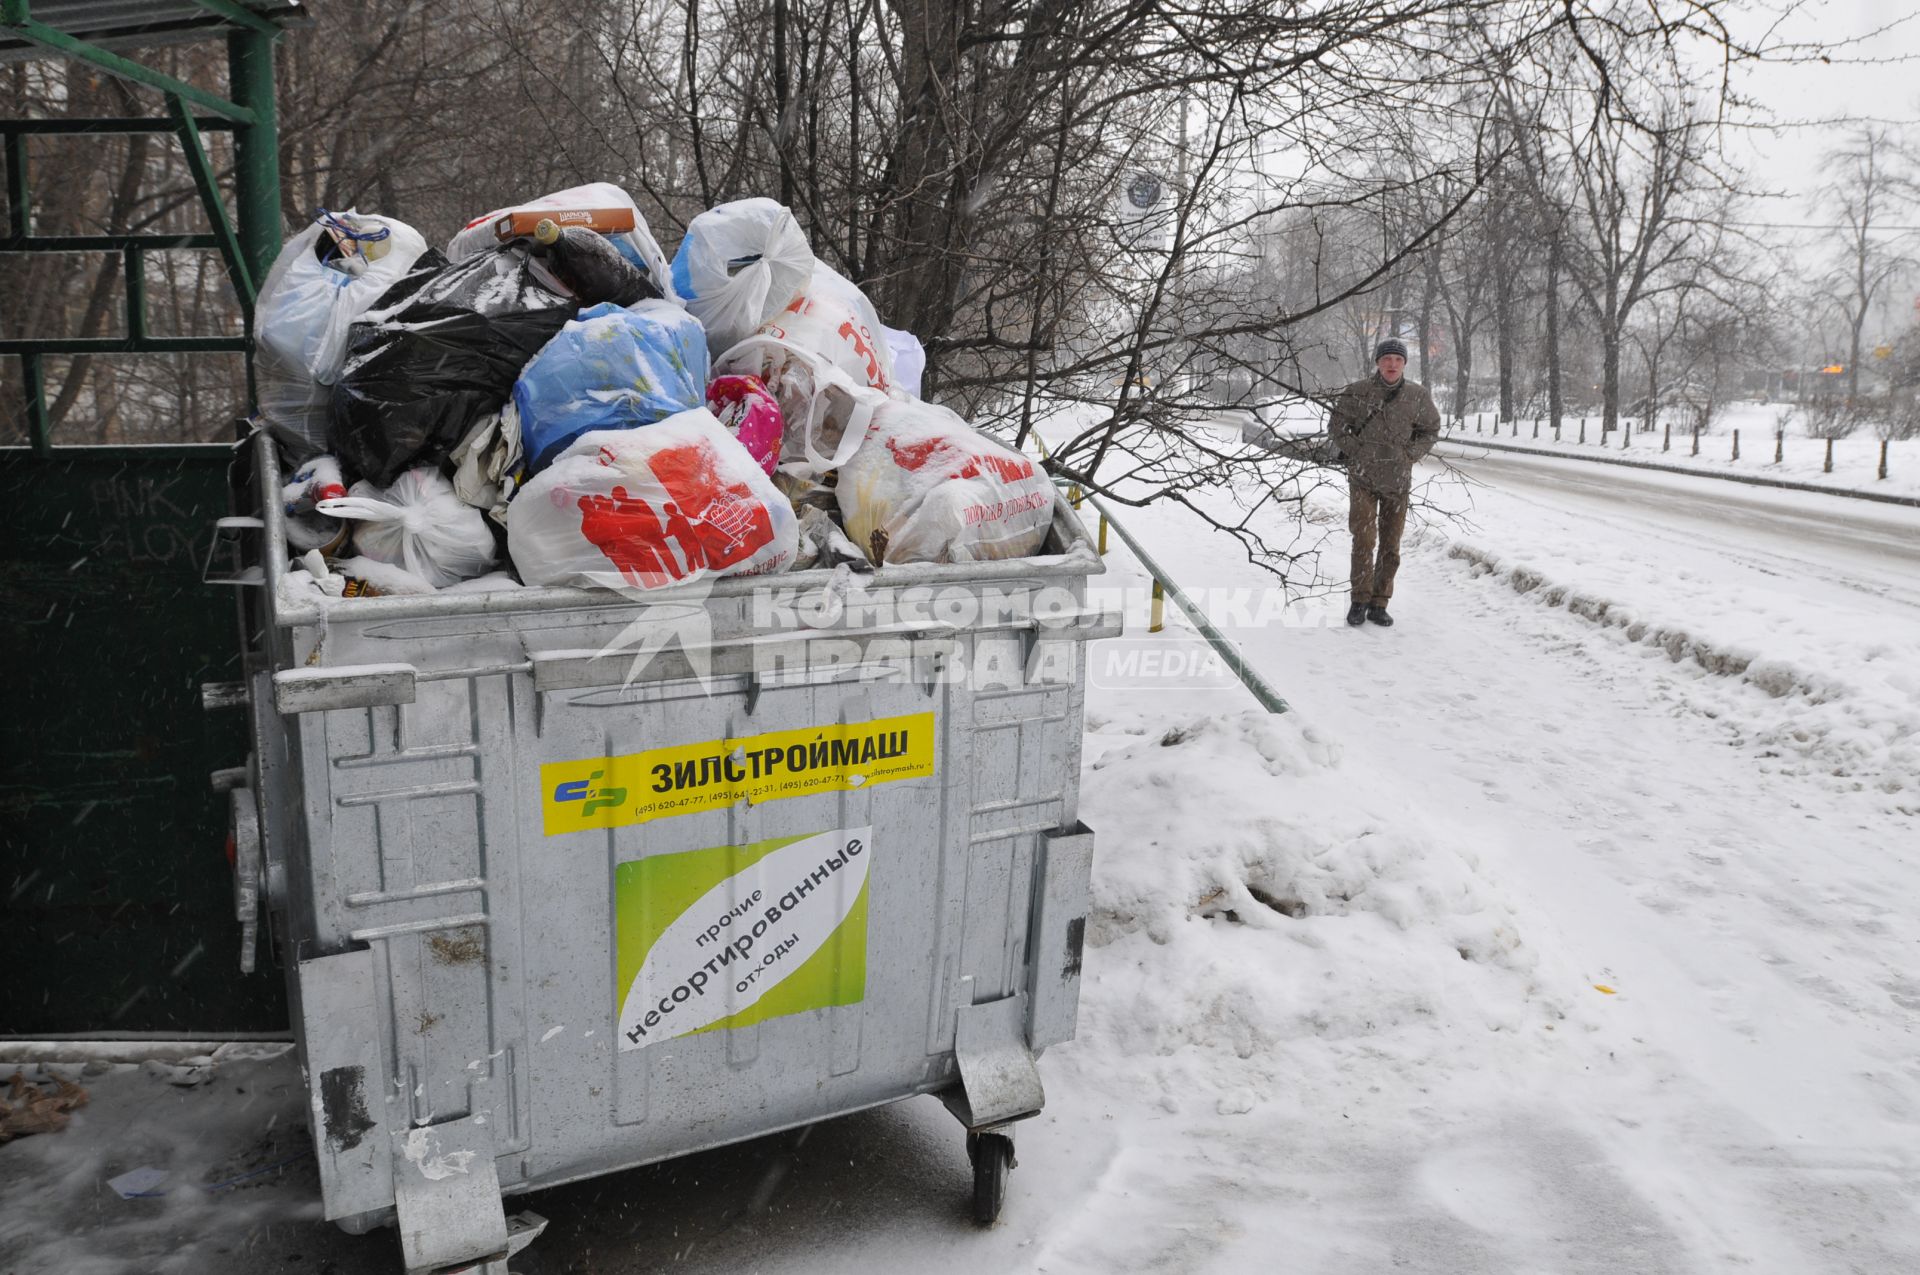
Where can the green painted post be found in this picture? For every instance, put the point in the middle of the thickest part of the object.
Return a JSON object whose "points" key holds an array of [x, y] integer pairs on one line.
{"points": [[256, 164], [256, 146]]}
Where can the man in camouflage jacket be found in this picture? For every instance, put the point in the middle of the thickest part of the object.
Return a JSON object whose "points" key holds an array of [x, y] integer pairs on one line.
{"points": [[1381, 426]]}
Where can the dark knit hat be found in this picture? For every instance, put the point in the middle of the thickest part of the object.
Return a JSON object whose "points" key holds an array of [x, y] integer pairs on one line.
{"points": [[1392, 345]]}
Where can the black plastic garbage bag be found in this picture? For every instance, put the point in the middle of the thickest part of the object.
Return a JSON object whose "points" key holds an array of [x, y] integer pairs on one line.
{"points": [[438, 351]]}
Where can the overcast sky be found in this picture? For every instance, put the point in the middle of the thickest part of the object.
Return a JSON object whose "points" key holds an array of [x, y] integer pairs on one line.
{"points": [[1864, 80]]}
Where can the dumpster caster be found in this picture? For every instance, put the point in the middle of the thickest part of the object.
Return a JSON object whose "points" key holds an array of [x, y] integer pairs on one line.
{"points": [[992, 1156]]}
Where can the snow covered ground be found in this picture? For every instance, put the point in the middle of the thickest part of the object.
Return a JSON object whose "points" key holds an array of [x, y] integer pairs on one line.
{"points": [[1856, 459], [1569, 925]]}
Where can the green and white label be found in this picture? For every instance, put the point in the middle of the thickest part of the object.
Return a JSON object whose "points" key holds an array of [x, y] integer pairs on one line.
{"points": [[733, 935]]}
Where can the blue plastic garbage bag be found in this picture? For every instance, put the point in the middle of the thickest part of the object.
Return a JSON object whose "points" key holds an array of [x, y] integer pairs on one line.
{"points": [[613, 367]]}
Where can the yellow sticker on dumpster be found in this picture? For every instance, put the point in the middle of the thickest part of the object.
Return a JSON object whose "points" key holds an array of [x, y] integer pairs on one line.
{"points": [[613, 792], [726, 937]]}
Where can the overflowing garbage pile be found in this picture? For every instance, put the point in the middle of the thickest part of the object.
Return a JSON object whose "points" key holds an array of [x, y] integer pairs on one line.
{"points": [[550, 400]]}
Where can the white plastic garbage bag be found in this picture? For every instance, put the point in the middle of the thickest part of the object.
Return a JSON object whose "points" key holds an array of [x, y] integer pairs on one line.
{"points": [[637, 245], [310, 297], [826, 363], [419, 524], [739, 265], [909, 359], [670, 503], [824, 411], [308, 301], [833, 317], [924, 486]]}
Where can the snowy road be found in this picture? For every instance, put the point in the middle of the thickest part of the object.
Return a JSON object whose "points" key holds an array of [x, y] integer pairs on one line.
{"points": [[1861, 544], [1536, 939]]}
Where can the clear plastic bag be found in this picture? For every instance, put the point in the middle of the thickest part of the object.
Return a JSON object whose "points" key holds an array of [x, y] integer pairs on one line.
{"points": [[739, 265], [418, 524], [925, 486], [669, 504]]}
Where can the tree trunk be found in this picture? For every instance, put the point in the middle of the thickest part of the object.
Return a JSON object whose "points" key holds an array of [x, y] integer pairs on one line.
{"points": [[781, 136], [1853, 356], [1609, 378], [1426, 324], [1503, 328], [1612, 323], [1555, 405], [1463, 372]]}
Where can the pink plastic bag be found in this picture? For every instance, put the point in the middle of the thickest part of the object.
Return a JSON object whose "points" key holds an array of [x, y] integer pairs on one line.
{"points": [[751, 414]]}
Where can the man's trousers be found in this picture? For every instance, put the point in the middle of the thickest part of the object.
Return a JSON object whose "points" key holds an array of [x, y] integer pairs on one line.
{"points": [[1376, 521]]}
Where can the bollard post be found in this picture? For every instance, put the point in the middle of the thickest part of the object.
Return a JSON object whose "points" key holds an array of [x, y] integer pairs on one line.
{"points": [[1103, 535], [1666, 437], [1779, 445], [1827, 468], [1476, 422], [1696, 440], [1536, 427], [1157, 621], [1736, 444], [1883, 458], [1626, 434], [1583, 429], [1556, 431]]}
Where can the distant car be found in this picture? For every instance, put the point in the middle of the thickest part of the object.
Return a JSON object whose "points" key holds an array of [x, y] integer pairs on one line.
{"points": [[1286, 438]]}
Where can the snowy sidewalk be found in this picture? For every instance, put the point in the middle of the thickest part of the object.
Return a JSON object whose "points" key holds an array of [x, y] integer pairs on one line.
{"points": [[1527, 807]]}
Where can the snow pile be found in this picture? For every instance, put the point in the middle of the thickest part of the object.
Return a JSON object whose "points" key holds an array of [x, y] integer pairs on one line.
{"points": [[1261, 917]]}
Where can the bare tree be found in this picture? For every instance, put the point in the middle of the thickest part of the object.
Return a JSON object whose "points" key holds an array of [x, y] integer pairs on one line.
{"points": [[1869, 185]]}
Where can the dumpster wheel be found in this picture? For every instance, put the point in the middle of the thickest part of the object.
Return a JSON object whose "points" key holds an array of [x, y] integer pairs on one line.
{"points": [[992, 1156]]}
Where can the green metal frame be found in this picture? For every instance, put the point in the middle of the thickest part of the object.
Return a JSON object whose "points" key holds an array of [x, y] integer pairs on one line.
{"points": [[247, 249]]}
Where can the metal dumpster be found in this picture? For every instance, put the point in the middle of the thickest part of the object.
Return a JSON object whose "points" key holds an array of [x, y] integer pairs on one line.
{"points": [[566, 881]]}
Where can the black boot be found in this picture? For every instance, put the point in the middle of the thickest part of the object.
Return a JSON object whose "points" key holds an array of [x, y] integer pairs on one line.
{"points": [[1357, 614], [1378, 615]]}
